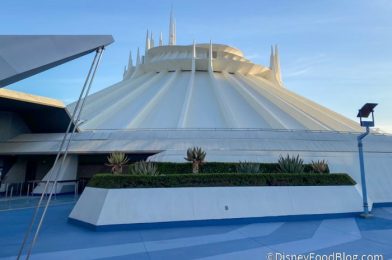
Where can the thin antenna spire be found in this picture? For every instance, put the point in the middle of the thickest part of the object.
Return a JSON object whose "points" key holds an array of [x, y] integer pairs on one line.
{"points": [[160, 39]]}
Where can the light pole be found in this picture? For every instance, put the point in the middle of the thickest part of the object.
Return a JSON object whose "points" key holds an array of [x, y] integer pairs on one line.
{"points": [[364, 112]]}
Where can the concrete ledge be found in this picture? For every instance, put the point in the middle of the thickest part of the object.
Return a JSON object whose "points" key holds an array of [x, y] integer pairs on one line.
{"points": [[109, 207], [210, 222]]}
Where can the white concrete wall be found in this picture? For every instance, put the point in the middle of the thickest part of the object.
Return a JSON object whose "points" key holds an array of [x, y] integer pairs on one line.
{"points": [[130, 206], [68, 172]]}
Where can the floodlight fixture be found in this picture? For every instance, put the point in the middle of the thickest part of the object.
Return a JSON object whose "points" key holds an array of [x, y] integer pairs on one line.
{"points": [[365, 112]]}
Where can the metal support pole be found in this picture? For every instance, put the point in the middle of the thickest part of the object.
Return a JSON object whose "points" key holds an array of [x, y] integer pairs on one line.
{"points": [[55, 190], [99, 53], [88, 83], [363, 177]]}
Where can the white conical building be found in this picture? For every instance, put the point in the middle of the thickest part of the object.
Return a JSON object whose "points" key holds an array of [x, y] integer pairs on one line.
{"points": [[205, 86], [209, 95]]}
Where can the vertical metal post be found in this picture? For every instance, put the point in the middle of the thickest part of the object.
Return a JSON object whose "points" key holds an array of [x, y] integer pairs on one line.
{"points": [[6, 190], [363, 177], [55, 190]]}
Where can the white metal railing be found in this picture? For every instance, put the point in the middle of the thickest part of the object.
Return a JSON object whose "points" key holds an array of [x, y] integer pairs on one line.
{"points": [[25, 189]]}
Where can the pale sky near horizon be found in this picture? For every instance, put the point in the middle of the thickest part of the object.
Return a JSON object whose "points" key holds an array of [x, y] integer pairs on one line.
{"points": [[335, 53]]}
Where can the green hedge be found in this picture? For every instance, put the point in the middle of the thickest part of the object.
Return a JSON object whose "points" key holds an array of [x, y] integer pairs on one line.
{"points": [[218, 180], [217, 167]]}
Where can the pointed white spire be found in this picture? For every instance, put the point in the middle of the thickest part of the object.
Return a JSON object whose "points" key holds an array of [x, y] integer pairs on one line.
{"points": [[128, 70], [125, 72], [130, 61], [194, 57], [277, 65], [194, 50], [210, 67], [151, 40], [172, 29], [147, 42], [175, 33], [138, 58], [160, 39], [272, 59]]}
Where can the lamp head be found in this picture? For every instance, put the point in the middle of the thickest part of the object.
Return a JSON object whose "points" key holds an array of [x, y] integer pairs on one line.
{"points": [[365, 112]]}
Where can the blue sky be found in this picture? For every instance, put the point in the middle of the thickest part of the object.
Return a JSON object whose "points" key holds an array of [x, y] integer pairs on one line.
{"points": [[337, 53]]}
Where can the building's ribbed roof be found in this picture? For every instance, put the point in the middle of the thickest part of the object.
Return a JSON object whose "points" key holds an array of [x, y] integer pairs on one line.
{"points": [[172, 89]]}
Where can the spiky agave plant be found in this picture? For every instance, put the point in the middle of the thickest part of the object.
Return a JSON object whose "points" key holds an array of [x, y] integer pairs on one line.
{"points": [[196, 155], [117, 161], [291, 164], [248, 167], [320, 166], [143, 168]]}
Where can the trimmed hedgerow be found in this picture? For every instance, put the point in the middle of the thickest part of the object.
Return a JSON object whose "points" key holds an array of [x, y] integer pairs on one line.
{"points": [[218, 167], [218, 180]]}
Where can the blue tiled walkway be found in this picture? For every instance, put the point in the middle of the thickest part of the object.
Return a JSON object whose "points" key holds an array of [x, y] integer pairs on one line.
{"points": [[61, 240]]}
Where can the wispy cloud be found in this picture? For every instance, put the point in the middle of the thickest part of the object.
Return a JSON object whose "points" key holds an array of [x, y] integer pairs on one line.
{"points": [[304, 65]]}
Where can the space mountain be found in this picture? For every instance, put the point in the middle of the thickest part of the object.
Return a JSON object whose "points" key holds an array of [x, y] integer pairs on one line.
{"points": [[210, 95]]}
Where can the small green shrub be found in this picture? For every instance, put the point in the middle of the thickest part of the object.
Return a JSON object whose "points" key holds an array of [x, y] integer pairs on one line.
{"points": [[320, 166], [218, 180], [143, 168], [248, 167], [218, 167], [291, 164]]}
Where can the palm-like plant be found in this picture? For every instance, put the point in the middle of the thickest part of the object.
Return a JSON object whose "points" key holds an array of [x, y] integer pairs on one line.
{"points": [[248, 167], [320, 166], [196, 155], [117, 161], [143, 168], [291, 164]]}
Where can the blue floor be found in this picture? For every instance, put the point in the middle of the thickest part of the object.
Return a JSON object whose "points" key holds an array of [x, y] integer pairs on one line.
{"points": [[61, 240]]}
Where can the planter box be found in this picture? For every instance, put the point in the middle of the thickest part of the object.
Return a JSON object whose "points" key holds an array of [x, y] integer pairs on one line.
{"points": [[99, 207]]}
